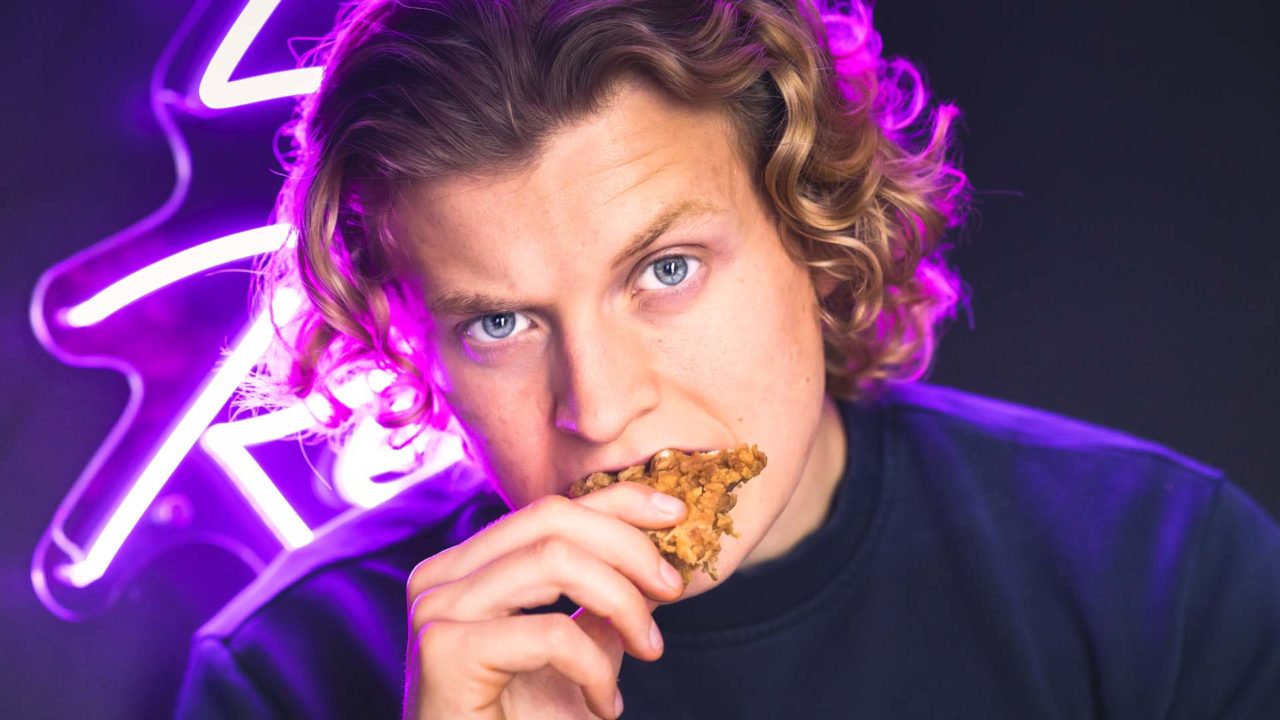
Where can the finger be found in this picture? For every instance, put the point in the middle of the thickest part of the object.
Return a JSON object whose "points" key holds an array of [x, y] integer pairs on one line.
{"points": [[537, 575], [613, 538], [603, 633], [494, 651], [636, 504]]}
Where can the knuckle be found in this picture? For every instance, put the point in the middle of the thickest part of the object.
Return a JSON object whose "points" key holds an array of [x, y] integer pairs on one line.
{"points": [[627, 610], [436, 641], [550, 506], [422, 609], [419, 579], [553, 551], [559, 630], [634, 603], [638, 555]]}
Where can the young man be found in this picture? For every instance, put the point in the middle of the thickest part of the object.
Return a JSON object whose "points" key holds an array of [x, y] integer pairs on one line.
{"points": [[589, 230]]}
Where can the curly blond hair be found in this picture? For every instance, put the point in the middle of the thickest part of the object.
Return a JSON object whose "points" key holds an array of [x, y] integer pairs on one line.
{"points": [[855, 166]]}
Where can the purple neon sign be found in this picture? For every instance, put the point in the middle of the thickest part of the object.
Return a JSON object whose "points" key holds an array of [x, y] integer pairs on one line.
{"points": [[119, 304]]}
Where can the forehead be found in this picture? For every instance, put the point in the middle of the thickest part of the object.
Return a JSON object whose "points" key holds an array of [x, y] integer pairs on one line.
{"points": [[594, 185]]}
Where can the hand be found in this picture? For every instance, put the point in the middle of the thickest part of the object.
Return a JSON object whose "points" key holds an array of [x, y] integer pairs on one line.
{"points": [[472, 655]]}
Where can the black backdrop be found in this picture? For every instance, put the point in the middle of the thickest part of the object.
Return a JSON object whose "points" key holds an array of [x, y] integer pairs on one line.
{"points": [[1123, 261]]}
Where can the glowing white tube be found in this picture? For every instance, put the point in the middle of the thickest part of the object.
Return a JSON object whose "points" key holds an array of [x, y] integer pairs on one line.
{"points": [[202, 257], [227, 444], [218, 91], [143, 490]]}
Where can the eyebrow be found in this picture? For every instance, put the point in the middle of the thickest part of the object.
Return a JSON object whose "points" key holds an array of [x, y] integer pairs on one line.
{"points": [[465, 303], [671, 215]]}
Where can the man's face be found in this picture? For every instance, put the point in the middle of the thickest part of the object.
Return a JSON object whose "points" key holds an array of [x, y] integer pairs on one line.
{"points": [[561, 355]]}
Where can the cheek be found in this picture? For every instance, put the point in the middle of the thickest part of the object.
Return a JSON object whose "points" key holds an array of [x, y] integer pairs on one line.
{"points": [[759, 336], [502, 416], [769, 378], [791, 384]]}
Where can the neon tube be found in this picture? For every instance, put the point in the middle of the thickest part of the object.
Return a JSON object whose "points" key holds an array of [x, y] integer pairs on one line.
{"points": [[160, 274], [227, 444], [218, 91], [144, 489]]}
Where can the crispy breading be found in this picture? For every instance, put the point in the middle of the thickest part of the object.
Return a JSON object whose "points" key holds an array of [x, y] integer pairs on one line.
{"points": [[705, 482]]}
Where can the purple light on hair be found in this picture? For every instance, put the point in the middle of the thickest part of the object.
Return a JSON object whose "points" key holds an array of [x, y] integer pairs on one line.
{"points": [[367, 454], [907, 92], [218, 91]]}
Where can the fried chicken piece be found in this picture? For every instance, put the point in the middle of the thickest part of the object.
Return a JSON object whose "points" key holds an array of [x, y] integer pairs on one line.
{"points": [[705, 482]]}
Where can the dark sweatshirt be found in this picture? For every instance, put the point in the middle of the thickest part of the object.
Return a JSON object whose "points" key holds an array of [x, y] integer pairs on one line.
{"points": [[980, 560]]}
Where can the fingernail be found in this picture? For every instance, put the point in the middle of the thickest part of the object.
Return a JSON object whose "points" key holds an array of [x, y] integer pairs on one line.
{"points": [[670, 575], [655, 636], [617, 703], [667, 504]]}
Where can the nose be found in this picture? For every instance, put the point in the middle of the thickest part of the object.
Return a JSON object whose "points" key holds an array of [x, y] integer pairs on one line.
{"points": [[605, 381]]}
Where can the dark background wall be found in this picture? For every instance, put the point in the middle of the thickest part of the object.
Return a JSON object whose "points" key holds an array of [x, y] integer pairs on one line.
{"points": [[1123, 262]]}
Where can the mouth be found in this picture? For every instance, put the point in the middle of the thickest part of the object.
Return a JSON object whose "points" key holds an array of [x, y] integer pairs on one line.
{"points": [[705, 483], [645, 460]]}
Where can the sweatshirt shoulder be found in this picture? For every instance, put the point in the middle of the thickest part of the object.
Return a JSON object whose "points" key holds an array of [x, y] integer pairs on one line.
{"points": [[938, 410]]}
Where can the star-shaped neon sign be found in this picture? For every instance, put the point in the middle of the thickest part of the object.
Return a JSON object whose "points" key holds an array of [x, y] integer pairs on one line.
{"points": [[99, 307]]}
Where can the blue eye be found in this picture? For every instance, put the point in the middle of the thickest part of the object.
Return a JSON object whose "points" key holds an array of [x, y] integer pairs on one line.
{"points": [[668, 271], [497, 326]]}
